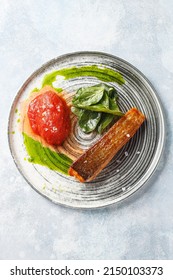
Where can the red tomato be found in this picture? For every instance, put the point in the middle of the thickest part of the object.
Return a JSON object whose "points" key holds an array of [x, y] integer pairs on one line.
{"points": [[49, 117]]}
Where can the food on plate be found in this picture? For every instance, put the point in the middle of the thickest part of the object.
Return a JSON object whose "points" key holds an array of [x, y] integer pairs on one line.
{"points": [[47, 131], [52, 141], [91, 162], [96, 107], [49, 117]]}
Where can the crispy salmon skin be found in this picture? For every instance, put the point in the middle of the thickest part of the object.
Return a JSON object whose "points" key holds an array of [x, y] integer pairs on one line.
{"points": [[91, 162]]}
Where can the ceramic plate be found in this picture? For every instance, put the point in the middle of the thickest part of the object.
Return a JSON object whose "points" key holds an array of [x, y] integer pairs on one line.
{"points": [[129, 169]]}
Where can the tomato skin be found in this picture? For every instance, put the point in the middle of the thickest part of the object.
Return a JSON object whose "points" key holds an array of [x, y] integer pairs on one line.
{"points": [[49, 117]]}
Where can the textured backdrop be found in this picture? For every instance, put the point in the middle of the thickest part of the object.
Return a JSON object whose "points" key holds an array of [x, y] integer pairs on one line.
{"points": [[32, 32]]}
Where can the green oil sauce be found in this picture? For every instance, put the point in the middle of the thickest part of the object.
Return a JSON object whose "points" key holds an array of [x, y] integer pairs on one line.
{"points": [[103, 74], [35, 90], [11, 132], [38, 89], [46, 157]]}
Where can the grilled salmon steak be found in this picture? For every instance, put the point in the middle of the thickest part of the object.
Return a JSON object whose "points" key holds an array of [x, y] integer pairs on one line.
{"points": [[91, 162]]}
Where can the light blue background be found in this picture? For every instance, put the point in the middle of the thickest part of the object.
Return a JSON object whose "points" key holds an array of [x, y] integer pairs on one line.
{"points": [[33, 32]]}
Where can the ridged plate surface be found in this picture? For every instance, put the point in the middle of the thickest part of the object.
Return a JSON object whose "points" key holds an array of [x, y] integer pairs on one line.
{"points": [[128, 170]]}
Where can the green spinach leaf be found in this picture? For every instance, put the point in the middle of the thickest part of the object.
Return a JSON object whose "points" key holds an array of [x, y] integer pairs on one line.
{"points": [[106, 119], [96, 107], [89, 121], [88, 96]]}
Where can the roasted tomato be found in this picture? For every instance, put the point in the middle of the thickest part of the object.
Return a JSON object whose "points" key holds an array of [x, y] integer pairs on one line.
{"points": [[49, 117]]}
